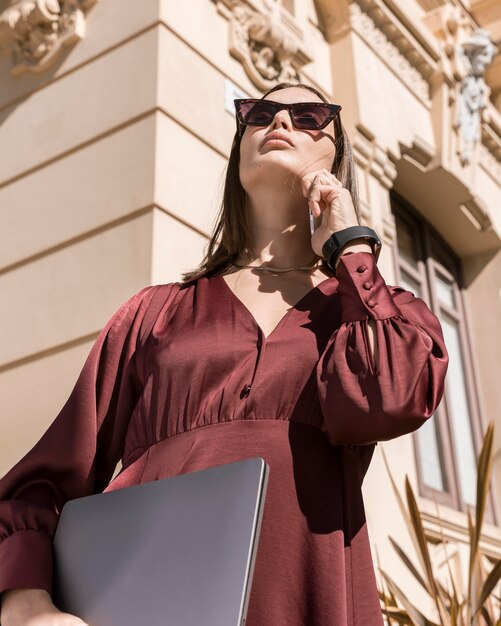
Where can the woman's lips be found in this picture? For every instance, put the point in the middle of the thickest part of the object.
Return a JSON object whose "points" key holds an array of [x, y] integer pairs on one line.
{"points": [[277, 139], [276, 142]]}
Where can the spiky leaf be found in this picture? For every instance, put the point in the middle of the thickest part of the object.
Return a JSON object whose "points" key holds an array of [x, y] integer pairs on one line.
{"points": [[490, 583], [433, 589], [483, 481], [417, 618]]}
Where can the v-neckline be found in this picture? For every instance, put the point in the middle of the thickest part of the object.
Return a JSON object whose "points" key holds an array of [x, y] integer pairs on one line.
{"points": [[284, 317]]}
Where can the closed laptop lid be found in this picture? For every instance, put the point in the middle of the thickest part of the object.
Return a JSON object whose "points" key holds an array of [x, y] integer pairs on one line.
{"points": [[175, 552]]}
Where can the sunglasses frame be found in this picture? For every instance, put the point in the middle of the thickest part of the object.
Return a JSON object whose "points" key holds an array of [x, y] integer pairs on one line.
{"points": [[241, 123]]}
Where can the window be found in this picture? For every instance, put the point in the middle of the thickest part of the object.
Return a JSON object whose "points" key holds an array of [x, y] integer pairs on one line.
{"points": [[447, 445]]}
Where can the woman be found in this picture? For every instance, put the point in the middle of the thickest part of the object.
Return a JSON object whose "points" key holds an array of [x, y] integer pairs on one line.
{"points": [[268, 349]]}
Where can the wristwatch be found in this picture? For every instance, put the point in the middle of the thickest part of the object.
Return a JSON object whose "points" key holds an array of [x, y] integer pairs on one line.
{"points": [[333, 246]]}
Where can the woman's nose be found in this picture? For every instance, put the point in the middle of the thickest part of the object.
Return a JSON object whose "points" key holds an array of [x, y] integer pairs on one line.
{"points": [[282, 120]]}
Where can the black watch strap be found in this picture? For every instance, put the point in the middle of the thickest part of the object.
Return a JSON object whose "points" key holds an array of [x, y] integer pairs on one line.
{"points": [[333, 246]]}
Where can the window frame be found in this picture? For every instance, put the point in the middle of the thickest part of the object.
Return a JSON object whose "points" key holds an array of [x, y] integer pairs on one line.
{"points": [[436, 258]]}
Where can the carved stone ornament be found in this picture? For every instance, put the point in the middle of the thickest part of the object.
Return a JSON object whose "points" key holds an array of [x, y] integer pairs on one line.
{"points": [[476, 53], [467, 54], [263, 45], [35, 31]]}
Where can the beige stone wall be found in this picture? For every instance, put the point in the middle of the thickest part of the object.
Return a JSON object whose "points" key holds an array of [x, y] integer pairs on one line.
{"points": [[111, 173]]}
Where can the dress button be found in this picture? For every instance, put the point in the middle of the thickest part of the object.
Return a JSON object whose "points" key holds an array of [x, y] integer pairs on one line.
{"points": [[245, 391], [367, 285], [361, 269], [371, 303]]}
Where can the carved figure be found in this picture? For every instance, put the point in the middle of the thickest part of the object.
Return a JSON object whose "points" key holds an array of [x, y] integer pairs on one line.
{"points": [[477, 52]]}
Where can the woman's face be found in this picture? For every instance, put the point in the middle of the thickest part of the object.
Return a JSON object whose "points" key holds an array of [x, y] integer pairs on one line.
{"points": [[305, 151]]}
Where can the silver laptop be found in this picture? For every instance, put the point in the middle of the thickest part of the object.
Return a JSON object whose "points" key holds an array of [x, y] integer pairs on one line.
{"points": [[175, 552]]}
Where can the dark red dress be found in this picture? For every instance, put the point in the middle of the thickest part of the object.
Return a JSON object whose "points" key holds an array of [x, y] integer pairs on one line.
{"points": [[182, 378]]}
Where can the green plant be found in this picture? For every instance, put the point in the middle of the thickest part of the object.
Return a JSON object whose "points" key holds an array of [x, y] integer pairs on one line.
{"points": [[477, 604]]}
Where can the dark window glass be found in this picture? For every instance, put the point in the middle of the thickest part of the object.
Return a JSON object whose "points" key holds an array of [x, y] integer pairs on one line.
{"points": [[447, 445]]}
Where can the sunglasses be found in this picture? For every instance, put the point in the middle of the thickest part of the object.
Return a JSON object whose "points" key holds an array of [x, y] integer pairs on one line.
{"points": [[304, 115]]}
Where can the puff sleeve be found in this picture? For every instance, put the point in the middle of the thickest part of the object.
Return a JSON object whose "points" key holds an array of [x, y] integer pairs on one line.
{"points": [[76, 456], [364, 401]]}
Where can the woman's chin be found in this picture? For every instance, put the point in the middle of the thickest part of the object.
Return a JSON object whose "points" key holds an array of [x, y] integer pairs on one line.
{"points": [[274, 162]]}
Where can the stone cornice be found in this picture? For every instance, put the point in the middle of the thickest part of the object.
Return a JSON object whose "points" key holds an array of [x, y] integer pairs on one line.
{"points": [[333, 18], [419, 153], [488, 15], [422, 66], [490, 146], [404, 47], [397, 47]]}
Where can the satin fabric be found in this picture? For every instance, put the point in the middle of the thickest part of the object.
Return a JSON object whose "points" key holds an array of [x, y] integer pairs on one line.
{"points": [[183, 378]]}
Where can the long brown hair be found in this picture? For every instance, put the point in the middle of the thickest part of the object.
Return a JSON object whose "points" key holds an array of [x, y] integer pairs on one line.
{"points": [[230, 236]]}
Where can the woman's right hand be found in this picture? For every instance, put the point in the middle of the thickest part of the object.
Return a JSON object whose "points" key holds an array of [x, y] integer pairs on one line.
{"points": [[33, 607]]}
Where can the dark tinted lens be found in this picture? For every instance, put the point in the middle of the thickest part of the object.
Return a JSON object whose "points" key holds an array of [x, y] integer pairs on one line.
{"points": [[309, 115], [306, 115], [261, 112]]}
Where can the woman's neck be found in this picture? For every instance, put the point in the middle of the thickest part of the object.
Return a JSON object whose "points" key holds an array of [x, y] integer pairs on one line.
{"points": [[279, 231]]}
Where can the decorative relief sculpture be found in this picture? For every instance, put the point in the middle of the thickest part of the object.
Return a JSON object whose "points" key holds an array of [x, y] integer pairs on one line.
{"points": [[476, 53], [467, 54], [263, 45], [34, 31]]}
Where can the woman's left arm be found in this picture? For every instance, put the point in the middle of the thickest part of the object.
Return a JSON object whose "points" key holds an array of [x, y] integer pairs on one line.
{"points": [[380, 387]]}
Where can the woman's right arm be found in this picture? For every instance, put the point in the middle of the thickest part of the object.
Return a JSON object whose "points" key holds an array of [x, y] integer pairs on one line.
{"points": [[75, 457], [33, 607]]}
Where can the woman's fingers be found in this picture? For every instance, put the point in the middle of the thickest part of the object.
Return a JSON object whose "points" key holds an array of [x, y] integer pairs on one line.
{"points": [[317, 187], [328, 199], [320, 176], [320, 197]]}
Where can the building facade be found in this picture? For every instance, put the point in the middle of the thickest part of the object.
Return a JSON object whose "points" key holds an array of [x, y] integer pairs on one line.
{"points": [[116, 120]]}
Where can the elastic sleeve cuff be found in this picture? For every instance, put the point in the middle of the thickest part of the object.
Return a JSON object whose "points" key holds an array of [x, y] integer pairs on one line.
{"points": [[362, 289], [26, 561]]}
